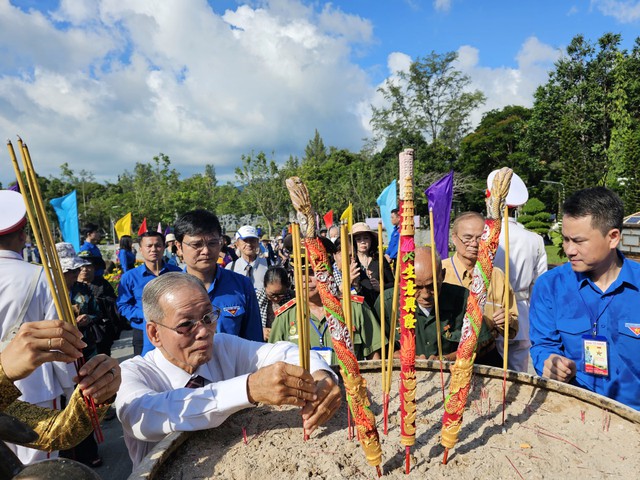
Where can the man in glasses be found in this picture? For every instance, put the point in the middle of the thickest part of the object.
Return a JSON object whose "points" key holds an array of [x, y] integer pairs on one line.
{"points": [[452, 303], [195, 378], [250, 264], [198, 238], [133, 282], [466, 234]]}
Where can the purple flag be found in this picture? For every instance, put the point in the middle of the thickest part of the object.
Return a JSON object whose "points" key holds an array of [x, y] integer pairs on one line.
{"points": [[440, 196], [15, 188]]}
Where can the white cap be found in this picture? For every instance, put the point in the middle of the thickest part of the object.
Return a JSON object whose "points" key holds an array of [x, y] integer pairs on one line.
{"points": [[13, 212], [518, 194], [170, 238], [246, 231]]}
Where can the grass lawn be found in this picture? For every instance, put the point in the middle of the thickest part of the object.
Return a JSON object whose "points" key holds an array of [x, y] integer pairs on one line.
{"points": [[552, 255]]}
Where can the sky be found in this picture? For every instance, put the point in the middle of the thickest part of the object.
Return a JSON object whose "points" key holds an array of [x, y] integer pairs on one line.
{"points": [[103, 84]]}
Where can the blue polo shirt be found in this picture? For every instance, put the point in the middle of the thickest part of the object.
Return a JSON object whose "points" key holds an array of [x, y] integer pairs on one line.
{"points": [[94, 251], [236, 298], [392, 249], [564, 307], [129, 300]]}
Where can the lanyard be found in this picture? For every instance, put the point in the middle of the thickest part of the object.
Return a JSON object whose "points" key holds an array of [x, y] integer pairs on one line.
{"points": [[591, 316], [455, 270], [320, 335]]}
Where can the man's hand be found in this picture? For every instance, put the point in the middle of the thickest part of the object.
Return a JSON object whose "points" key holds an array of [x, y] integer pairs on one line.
{"points": [[40, 342], [319, 411], [266, 331], [99, 378], [499, 318], [559, 368], [281, 384], [82, 320]]}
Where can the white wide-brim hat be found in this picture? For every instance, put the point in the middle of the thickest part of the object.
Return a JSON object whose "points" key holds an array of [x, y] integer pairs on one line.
{"points": [[518, 194]]}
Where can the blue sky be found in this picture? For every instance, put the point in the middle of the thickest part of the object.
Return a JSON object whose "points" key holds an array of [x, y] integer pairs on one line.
{"points": [[102, 84]]}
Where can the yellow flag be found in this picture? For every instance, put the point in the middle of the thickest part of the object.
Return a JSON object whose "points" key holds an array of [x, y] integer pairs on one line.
{"points": [[123, 226], [348, 216]]}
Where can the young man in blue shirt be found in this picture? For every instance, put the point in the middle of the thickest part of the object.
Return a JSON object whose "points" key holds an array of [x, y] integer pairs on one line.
{"points": [[92, 237], [584, 322], [392, 249], [133, 282], [199, 240]]}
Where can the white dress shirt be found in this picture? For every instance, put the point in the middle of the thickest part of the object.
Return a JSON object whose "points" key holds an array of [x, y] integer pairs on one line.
{"points": [[47, 382], [153, 401], [527, 261], [258, 268]]}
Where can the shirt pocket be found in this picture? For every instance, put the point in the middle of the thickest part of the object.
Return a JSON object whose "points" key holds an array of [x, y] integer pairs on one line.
{"points": [[627, 345], [571, 331]]}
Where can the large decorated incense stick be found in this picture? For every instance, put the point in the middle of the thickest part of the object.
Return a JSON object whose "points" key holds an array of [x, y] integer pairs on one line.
{"points": [[407, 307], [355, 384], [463, 367]]}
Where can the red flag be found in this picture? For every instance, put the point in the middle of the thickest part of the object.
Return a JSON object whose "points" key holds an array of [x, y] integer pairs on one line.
{"points": [[328, 218], [143, 227]]}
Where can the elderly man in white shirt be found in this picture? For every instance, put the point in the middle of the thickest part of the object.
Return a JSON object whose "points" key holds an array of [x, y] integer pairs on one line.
{"points": [[527, 261], [194, 380]]}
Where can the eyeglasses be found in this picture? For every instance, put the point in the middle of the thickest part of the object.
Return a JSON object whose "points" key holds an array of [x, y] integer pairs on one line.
{"points": [[276, 296], [187, 327], [199, 245], [468, 239]]}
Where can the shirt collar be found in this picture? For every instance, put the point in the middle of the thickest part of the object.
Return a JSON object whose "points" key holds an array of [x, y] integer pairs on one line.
{"points": [[625, 276], [178, 377], [10, 254]]}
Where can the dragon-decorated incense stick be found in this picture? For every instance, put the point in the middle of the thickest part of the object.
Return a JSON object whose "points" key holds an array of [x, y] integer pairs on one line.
{"points": [[355, 384], [407, 307], [462, 369]]}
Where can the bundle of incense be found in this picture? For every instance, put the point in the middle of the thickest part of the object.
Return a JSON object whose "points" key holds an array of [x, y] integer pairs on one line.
{"points": [[50, 261], [355, 384], [407, 307], [462, 369]]}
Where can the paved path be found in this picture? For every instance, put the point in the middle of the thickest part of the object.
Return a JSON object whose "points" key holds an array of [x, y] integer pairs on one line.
{"points": [[117, 465]]}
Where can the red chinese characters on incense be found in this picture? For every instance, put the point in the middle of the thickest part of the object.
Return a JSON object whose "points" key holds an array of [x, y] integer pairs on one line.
{"points": [[462, 369], [407, 305]]}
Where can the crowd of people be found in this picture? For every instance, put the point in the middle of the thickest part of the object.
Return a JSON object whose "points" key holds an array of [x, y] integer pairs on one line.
{"points": [[214, 327]]}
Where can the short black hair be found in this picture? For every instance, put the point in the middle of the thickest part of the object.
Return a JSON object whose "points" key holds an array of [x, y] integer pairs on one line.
{"points": [[89, 228], [604, 206], [149, 234], [396, 211], [277, 274], [197, 222]]}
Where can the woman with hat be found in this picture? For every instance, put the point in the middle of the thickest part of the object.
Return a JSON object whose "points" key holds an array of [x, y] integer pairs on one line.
{"points": [[365, 246]]}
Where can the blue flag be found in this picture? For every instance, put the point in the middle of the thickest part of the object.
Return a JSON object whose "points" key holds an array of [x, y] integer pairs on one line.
{"points": [[67, 210], [387, 201], [440, 196]]}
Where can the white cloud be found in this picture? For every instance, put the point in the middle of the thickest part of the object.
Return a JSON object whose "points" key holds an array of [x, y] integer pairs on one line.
{"points": [[122, 81], [442, 5], [508, 86], [624, 11]]}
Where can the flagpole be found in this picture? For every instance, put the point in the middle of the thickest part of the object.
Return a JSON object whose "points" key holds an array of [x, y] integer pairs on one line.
{"points": [[436, 300]]}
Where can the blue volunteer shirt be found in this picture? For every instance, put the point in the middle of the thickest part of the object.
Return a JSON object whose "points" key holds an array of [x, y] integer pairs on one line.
{"points": [[564, 306], [392, 249], [236, 298], [130, 297], [95, 252]]}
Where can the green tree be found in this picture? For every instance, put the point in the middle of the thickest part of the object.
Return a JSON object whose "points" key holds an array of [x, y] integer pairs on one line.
{"points": [[263, 189], [534, 217], [432, 99]]}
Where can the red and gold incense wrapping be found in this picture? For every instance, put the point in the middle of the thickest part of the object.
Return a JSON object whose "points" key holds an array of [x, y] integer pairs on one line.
{"points": [[462, 369], [407, 302], [355, 384]]}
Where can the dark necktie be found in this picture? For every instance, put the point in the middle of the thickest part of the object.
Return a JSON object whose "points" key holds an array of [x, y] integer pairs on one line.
{"points": [[195, 382], [247, 270]]}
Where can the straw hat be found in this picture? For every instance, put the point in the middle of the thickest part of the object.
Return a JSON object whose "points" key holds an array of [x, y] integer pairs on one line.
{"points": [[68, 258], [13, 215], [518, 194], [362, 227]]}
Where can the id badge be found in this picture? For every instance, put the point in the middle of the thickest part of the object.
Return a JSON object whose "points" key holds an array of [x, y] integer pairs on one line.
{"points": [[595, 353], [325, 352]]}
